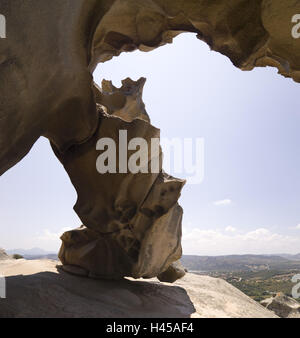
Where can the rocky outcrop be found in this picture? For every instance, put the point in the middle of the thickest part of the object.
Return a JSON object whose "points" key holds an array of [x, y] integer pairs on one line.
{"points": [[283, 306], [36, 283], [125, 102], [132, 223], [132, 220], [251, 33], [3, 255], [175, 271]]}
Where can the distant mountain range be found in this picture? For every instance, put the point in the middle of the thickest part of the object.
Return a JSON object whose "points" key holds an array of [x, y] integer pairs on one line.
{"points": [[291, 257], [34, 253], [241, 262]]}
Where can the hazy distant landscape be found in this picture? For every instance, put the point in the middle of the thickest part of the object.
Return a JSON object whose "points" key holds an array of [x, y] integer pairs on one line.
{"points": [[34, 253], [241, 262], [258, 276]]}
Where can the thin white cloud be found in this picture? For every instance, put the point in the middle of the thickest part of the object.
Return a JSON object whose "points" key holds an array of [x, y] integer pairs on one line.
{"points": [[223, 202], [52, 236], [230, 229], [46, 239], [297, 227], [49, 240], [217, 242]]}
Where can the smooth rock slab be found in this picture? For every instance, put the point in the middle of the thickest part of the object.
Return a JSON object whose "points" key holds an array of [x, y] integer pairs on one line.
{"points": [[283, 306]]}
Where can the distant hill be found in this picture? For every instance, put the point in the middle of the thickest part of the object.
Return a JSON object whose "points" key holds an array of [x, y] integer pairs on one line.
{"points": [[49, 256], [198, 263], [291, 257], [239, 263], [34, 253]]}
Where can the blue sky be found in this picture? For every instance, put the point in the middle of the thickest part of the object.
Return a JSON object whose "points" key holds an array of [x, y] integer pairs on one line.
{"points": [[249, 199]]}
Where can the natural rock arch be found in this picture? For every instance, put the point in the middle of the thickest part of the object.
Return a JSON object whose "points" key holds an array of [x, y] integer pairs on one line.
{"points": [[132, 222]]}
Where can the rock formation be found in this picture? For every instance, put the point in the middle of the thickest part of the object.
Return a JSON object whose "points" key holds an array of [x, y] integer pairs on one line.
{"points": [[132, 220], [125, 102], [132, 223], [283, 306], [3, 255]]}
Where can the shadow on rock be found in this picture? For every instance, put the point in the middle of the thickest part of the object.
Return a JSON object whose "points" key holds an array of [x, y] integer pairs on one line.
{"points": [[50, 294]]}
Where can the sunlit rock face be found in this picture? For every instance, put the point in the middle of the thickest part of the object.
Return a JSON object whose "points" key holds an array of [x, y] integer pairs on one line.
{"points": [[132, 222]]}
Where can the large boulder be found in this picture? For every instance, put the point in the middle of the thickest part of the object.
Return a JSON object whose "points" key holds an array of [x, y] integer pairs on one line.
{"points": [[175, 271], [283, 306], [132, 221]]}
